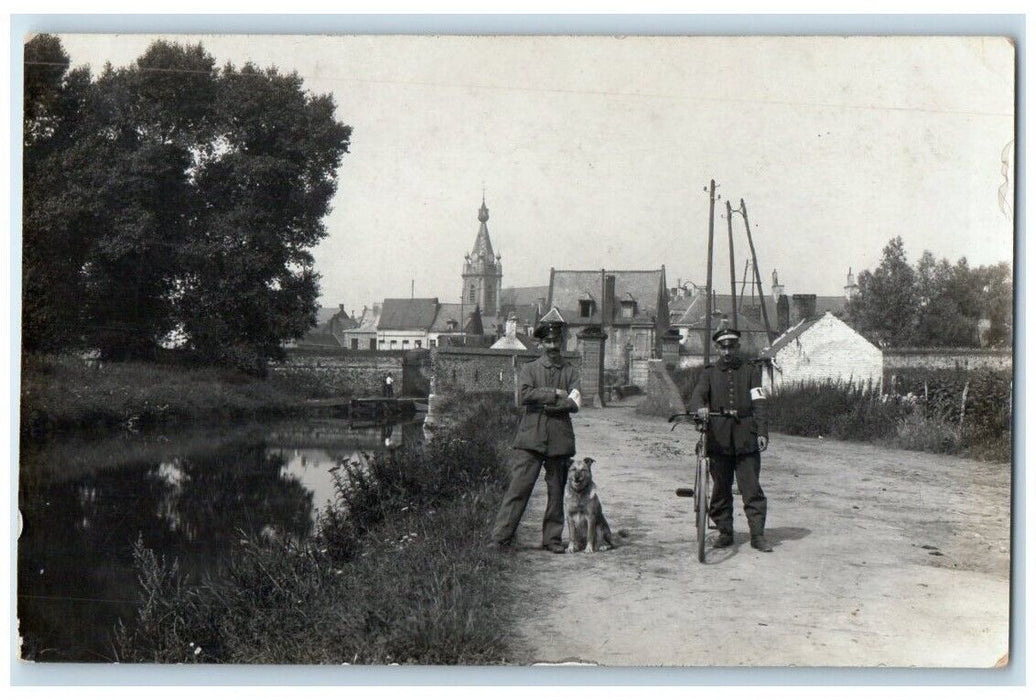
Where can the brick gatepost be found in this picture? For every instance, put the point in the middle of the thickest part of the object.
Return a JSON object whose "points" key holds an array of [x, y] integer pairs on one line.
{"points": [[591, 373], [671, 348]]}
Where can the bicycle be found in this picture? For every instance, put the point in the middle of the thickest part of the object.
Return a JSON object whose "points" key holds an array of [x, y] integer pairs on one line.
{"points": [[701, 491]]}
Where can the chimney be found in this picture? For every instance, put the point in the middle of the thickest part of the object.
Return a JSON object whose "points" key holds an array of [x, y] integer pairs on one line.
{"points": [[783, 315], [341, 308], [608, 302], [803, 306]]}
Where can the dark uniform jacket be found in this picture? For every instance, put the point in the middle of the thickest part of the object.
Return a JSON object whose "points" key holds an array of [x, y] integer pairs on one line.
{"points": [[728, 386], [545, 425]]}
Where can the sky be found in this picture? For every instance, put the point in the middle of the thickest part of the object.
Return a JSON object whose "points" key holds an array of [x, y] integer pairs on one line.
{"points": [[596, 152]]}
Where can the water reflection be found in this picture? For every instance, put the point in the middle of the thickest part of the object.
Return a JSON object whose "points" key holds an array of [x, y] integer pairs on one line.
{"points": [[188, 500]]}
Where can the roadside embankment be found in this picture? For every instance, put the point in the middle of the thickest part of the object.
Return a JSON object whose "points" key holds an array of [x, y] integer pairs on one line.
{"points": [[67, 394]]}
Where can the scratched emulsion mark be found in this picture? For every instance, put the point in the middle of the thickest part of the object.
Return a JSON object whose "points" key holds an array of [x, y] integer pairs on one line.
{"points": [[1005, 194]]}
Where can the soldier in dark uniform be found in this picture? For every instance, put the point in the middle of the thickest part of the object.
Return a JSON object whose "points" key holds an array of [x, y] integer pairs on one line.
{"points": [[733, 443], [549, 391]]}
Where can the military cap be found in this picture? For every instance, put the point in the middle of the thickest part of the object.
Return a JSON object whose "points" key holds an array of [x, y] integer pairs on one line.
{"points": [[724, 334], [550, 330], [551, 326]]}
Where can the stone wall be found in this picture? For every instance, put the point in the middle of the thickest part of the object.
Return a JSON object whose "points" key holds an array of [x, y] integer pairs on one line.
{"points": [[353, 372], [481, 370], [947, 358]]}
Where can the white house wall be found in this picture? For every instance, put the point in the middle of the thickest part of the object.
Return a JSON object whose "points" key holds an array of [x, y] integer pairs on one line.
{"points": [[828, 350], [411, 338]]}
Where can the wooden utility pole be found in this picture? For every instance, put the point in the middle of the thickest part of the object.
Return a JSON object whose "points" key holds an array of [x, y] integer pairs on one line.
{"points": [[755, 264], [733, 283], [708, 273], [744, 281]]}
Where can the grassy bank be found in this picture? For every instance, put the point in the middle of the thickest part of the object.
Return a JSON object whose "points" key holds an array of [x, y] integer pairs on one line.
{"points": [[943, 411], [64, 393], [397, 573]]}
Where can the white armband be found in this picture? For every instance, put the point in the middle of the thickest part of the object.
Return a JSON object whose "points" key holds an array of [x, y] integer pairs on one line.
{"points": [[576, 397], [758, 394]]}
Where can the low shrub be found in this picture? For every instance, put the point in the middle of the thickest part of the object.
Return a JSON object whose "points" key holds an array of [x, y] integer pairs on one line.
{"points": [[928, 416]]}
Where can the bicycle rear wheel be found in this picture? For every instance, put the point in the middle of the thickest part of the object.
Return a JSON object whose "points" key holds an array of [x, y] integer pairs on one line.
{"points": [[701, 504]]}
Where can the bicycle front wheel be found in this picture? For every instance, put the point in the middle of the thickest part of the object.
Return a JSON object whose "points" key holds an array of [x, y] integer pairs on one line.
{"points": [[701, 504]]}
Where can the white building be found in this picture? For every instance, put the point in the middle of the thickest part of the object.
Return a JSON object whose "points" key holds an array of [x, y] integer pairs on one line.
{"points": [[822, 348]]}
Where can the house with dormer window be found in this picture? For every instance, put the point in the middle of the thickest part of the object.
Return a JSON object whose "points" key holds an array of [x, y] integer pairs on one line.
{"points": [[630, 306]]}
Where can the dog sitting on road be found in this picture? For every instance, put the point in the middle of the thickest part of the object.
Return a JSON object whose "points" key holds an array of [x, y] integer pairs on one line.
{"points": [[587, 529]]}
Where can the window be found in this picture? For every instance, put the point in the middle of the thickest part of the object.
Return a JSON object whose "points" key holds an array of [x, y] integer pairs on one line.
{"points": [[471, 293], [417, 343], [355, 345], [381, 342], [392, 344], [431, 343], [373, 344], [586, 308], [406, 343]]}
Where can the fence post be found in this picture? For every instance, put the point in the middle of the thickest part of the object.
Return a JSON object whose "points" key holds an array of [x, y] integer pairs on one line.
{"points": [[963, 402]]}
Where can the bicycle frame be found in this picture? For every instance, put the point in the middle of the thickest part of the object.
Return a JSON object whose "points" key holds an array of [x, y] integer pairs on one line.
{"points": [[701, 491]]}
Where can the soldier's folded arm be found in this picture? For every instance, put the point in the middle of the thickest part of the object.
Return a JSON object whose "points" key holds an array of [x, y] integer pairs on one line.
{"points": [[532, 395]]}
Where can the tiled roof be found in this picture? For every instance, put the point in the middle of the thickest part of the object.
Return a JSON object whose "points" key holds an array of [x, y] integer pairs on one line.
{"points": [[369, 320], [794, 332], [445, 314], [325, 313], [568, 287], [523, 296], [408, 314], [695, 312]]}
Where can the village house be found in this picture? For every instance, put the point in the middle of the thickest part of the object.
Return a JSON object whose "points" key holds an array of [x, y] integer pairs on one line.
{"points": [[822, 347], [365, 335], [405, 323], [631, 307], [781, 313], [330, 330]]}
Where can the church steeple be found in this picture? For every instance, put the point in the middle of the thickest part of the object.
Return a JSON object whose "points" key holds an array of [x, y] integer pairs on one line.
{"points": [[482, 274], [482, 246]]}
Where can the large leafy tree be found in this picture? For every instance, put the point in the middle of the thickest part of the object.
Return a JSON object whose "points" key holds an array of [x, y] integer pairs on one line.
{"points": [[198, 193], [935, 304], [55, 212], [884, 308]]}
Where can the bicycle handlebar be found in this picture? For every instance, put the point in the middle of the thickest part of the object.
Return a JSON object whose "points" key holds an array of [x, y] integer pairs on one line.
{"points": [[699, 423]]}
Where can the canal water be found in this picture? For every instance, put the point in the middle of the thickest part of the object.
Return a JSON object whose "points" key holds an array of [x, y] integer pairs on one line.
{"points": [[190, 496]]}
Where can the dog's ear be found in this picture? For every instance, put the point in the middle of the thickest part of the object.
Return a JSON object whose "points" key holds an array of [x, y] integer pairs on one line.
{"points": [[588, 461]]}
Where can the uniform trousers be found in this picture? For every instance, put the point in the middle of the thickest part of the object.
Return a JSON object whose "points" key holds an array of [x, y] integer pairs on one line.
{"points": [[745, 468], [525, 469]]}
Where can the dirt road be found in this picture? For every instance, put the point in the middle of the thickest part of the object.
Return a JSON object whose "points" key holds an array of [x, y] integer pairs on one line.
{"points": [[881, 557]]}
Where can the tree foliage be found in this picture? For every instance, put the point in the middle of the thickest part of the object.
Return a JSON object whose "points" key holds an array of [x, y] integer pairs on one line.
{"points": [[172, 196], [934, 304]]}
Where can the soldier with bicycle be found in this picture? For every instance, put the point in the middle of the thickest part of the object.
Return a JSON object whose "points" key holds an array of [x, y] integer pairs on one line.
{"points": [[734, 441]]}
